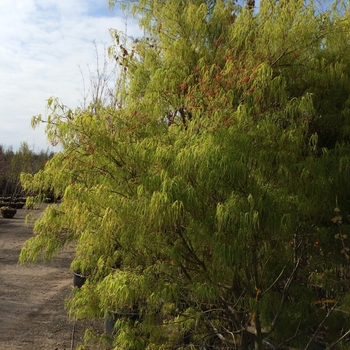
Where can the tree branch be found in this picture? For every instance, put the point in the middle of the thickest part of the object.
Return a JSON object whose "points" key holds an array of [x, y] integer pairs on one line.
{"points": [[329, 312]]}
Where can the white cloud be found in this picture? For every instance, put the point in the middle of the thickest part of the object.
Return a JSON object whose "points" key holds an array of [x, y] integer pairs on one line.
{"points": [[42, 45]]}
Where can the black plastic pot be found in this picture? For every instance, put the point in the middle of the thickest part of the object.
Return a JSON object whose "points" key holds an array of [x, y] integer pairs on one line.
{"points": [[20, 205], [78, 279], [8, 213], [109, 324], [115, 316]]}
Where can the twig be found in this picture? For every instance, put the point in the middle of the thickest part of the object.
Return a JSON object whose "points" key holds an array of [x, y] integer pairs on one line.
{"points": [[320, 326], [339, 340], [72, 337]]}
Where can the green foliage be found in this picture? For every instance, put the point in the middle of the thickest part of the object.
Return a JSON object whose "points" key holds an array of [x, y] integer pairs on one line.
{"points": [[205, 200]]}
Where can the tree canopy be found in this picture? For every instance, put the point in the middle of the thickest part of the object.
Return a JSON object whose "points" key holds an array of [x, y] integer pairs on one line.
{"points": [[214, 197]]}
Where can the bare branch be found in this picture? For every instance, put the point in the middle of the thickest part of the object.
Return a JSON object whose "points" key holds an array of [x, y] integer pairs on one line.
{"points": [[339, 340], [329, 312]]}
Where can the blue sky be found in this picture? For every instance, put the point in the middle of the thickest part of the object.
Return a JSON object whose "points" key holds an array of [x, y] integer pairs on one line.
{"points": [[44, 46]]}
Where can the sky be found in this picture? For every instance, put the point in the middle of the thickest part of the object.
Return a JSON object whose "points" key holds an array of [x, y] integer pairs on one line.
{"points": [[45, 48]]}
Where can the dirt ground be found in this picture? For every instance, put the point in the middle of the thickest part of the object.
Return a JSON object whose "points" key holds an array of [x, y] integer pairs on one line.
{"points": [[32, 315]]}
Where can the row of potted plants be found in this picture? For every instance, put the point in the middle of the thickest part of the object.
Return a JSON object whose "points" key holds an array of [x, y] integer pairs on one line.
{"points": [[12, 199], [10, 204], [16, 205]]}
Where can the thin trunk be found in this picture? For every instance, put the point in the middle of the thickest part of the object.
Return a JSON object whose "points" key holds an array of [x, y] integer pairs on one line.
{"points": [[244, 341], [258, 342], [251, 4], [258, 333]]}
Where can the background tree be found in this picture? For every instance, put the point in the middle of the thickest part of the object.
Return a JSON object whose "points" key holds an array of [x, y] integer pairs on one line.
{"points": [[12, 163], [3, 168], [214, 198]]}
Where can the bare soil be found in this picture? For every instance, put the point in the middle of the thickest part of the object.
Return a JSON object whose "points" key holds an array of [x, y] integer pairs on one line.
{"points": [[32, 314]]}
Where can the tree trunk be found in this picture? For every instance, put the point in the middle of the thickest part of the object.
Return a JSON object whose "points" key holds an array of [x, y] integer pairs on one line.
{"points": [[258, 343], [244, 341], [251, 4]]}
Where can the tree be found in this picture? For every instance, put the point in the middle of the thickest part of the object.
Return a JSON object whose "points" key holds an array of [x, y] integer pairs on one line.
{"points": [[12, 163], [214, 198], [3, 167]]}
